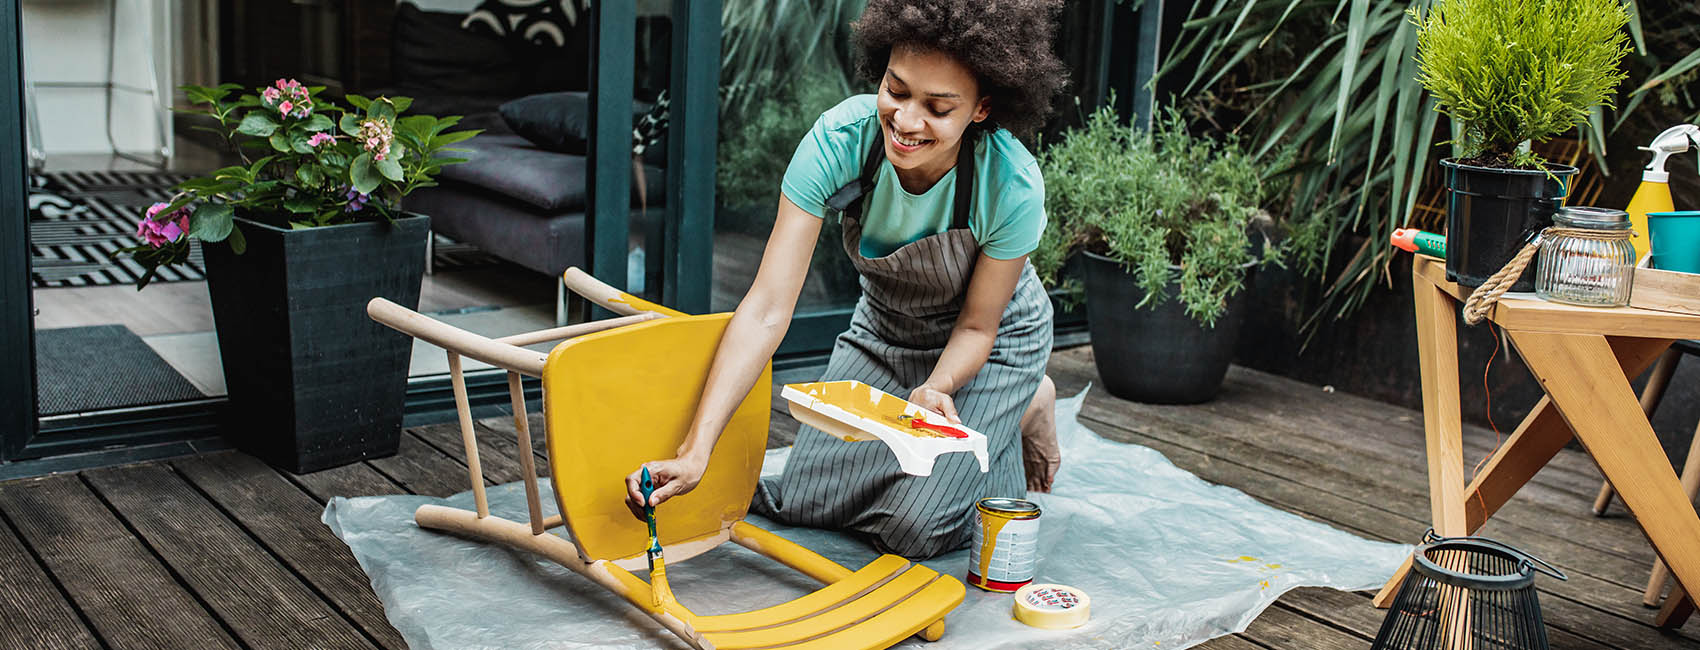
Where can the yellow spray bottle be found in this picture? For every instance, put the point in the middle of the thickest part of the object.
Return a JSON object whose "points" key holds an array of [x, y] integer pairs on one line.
{"points": [[1654, 193]]}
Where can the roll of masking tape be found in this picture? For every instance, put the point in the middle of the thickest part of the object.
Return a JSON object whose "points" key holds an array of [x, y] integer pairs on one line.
{"points": [[1052, 607]]}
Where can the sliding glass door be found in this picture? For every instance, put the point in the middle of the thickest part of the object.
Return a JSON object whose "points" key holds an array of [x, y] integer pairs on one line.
{"points": [[17, 366]]}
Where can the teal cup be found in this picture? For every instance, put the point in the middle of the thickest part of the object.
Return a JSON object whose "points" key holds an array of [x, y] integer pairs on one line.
{"points": [[1675, 240]]}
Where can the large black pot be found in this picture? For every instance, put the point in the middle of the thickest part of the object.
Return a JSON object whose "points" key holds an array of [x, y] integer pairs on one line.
{"points": [[313, 382], [1155, 354], [1489, 211]]}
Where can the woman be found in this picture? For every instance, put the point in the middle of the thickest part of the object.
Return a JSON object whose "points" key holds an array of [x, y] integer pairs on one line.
{"points": [[940, 205]]}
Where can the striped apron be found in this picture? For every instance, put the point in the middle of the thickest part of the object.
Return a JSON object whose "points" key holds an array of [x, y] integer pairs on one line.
{"points": [[910, 302]]}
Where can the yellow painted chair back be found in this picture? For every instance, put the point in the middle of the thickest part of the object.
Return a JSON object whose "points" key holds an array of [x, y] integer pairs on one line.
{"points": [[618, 398]]}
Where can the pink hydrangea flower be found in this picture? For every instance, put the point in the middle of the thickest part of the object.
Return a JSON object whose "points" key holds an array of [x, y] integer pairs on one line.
{"points": [[376, 135], [289, 97], [320, 138], [158, 231]]}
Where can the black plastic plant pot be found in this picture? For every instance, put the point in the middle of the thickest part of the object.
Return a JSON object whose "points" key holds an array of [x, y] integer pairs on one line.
{"points": [[1155, 354], [1489, 214], [313, 382]]}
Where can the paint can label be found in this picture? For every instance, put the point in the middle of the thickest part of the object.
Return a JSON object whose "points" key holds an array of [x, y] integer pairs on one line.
{"points": [[1005, 547]]}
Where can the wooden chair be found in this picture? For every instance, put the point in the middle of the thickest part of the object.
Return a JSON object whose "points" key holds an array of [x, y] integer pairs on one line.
{"points": [[620, 392], [1650, 398]]}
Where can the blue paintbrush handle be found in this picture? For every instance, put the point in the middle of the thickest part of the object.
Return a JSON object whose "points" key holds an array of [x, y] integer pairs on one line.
{"points": [[648, 488]]}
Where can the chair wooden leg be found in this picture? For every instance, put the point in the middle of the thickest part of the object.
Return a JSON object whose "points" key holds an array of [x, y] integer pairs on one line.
{"points": [[1650, 398], [1690, 485], [463, 408]]}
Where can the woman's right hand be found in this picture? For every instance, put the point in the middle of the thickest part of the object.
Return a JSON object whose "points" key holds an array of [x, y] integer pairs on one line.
{"points": [[671, 478]]}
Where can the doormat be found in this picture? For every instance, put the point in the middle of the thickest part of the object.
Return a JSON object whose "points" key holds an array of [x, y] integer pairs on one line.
{"points": [[80, 369], [77, 219], [1168, 560]]}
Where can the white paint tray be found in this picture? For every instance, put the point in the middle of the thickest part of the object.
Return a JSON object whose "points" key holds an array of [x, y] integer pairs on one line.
{"points": [[853, 411]]}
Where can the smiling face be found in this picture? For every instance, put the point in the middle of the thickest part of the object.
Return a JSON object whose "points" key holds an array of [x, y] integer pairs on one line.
{"points": [[927, 101]]}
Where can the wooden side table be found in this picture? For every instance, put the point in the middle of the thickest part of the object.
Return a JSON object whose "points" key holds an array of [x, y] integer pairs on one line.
{"points": [[1584, 358]]}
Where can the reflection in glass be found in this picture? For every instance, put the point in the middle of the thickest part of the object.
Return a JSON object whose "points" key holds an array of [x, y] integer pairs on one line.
{"points": [[777, 76]]}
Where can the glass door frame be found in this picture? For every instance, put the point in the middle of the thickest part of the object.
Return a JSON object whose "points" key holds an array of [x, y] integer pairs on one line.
{"points": [[17, 305]]}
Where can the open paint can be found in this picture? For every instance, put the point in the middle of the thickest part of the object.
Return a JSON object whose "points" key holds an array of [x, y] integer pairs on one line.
{"points": [[1005, 549]]}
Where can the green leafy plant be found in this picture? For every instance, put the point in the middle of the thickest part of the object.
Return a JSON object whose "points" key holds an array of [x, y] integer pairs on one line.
{"points": [[1510, 71], [1154, 201], [306, 163]]}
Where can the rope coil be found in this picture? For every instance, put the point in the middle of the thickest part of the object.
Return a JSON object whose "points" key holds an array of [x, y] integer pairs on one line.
{"points": [[1481, 302]]}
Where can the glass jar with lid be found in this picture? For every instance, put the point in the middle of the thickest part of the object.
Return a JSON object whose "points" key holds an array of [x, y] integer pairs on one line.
{"points": [[1587, 260]]}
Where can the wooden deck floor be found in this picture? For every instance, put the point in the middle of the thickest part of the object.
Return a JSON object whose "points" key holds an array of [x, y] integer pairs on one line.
{"points": [[220, 550]]}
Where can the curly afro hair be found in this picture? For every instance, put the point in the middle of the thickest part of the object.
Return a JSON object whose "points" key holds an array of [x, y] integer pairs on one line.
{"points": [[1006, 43]]}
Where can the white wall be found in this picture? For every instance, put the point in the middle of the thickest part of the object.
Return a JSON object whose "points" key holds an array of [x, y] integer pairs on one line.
{"points": [[66, 48]]}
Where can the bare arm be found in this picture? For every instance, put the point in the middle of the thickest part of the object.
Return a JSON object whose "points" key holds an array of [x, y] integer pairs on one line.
{"points": [[989, 291], [752, 336]]}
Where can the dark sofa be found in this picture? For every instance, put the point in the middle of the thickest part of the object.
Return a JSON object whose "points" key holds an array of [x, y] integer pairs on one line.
{"points": [[512, 198]]}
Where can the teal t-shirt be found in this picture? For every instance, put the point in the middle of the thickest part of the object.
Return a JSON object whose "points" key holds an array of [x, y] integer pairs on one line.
{"points": [[1006, 214]]}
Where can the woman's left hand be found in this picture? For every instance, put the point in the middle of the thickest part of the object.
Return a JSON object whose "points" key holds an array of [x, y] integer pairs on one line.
{"points": [[935, 400]]}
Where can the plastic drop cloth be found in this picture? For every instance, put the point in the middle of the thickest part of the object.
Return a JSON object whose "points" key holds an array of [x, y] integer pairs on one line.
{"points": [[1167, 559]]}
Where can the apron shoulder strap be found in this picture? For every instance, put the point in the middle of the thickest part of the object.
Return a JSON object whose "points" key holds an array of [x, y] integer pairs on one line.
{"points": [[848, 199], [964, 179]]}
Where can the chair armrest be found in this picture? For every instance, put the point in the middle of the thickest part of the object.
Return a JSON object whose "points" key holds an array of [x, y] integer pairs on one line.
{"points": [[609, 298], [456, 340]]}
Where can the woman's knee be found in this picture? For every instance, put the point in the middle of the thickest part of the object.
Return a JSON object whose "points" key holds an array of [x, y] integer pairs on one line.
{"points": [[917, 540], [1044, 403]]}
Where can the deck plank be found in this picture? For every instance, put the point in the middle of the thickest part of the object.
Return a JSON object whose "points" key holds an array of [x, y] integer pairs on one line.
{"points": [[37, 615], [423, 470], [262, 602], [498, 451], [284, 519], [1230, 642], [1280, 628], [128, 597], [352, 480]]}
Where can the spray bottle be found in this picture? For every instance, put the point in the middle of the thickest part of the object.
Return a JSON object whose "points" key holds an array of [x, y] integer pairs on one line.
{"points": [[1654, 193]]}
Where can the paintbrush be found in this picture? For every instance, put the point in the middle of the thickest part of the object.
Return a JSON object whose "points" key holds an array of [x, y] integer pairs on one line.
{"points": [[659, 592]]}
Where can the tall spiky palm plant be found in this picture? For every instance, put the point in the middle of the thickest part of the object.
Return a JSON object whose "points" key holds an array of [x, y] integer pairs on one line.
{"points": [[1328, 90]]}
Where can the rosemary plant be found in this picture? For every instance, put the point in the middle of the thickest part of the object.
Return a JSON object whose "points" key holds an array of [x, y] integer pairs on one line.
{"points": [[1154, 201]]}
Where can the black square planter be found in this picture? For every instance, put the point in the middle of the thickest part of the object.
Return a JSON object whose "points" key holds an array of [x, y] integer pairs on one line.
{"points": [[313, 382]]}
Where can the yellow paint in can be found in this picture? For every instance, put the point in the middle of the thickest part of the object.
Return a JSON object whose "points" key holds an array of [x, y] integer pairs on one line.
{"points": [[1006, 544]]}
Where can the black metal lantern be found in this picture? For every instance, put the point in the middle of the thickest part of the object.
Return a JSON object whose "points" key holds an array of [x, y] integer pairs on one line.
{"points": [[1467, 592]]}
